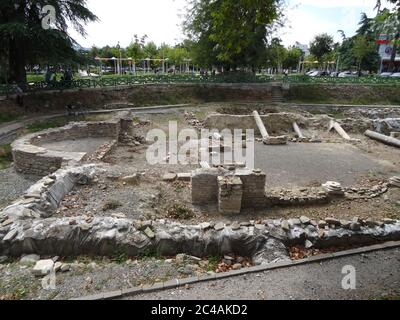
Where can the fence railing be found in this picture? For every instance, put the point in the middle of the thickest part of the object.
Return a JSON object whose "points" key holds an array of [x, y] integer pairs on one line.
{"points": [[369, 80], [36, 86]]}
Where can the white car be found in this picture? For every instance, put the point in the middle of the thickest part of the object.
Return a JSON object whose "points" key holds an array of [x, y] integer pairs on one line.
{"points": [[385, 74], [396, 75], [314, 74], [346, 74]]}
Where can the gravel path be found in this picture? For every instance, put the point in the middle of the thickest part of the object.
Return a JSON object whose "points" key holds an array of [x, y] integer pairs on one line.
{"points": [[12, 185], [377, 274]]}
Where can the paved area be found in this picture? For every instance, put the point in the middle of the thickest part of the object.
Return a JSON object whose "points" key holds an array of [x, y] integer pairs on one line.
{"points": [[301, 164], [377, 277], [88, 145]]}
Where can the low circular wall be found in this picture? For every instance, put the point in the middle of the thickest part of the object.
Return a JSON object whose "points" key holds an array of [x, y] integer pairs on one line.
{"points": [[32, 158]]}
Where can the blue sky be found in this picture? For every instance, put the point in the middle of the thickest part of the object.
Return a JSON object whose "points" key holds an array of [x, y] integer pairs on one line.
{"points": [[161, 20]]}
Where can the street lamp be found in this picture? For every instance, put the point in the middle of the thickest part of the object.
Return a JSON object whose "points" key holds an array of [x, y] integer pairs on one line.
{"points": [[115, 64], [148, 64], [120, 59]]}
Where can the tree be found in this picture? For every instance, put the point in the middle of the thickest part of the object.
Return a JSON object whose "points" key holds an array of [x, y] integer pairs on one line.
{"points": [[388, 22], [292, 58], [231, 33], [362, 49], [26, 42], [321, 46]]}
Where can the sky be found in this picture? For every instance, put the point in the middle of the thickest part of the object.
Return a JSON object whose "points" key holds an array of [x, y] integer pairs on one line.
{"points": [[161, 20]]}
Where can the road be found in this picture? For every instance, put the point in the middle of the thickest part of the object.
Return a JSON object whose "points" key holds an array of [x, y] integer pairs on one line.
{"points": [[377, 277]]}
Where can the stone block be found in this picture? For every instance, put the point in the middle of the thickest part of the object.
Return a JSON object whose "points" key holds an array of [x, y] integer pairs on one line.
{"points": [[230, 192], [278, 140]]}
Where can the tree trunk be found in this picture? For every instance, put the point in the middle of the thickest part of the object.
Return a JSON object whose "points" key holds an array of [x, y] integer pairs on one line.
{"points": [[17, 70], [16, 53], [394, 53]]}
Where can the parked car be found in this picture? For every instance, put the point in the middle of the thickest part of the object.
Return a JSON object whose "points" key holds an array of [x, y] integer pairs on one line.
{"points": [[314, 74], [386, 74], [347, 74], [396, 75]]}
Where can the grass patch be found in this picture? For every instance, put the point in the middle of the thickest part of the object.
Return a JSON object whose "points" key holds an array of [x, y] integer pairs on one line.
{"points": [[7, 117], [149, 254], [40, 126], [120, 258], [180, 211], [5, 156], [212, 263]]}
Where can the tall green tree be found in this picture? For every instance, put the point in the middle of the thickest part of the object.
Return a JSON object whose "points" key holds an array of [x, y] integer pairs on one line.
{"points": [[231, 33], [25, 41], [321, 45], [362, 49], [388, 22]]}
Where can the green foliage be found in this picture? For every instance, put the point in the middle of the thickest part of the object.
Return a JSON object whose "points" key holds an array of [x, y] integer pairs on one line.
{"points": [[120, 258], [40, 126], [213, 263], [7, 117], [363, 48], [231, 34], [321, 45], [23, 40], [5, 156], [180, 212]]}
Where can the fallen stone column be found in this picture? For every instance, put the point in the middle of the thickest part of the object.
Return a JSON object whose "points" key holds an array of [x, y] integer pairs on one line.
{"points": [[339, 130], [297, 129], [260, 125], [382, 138]]}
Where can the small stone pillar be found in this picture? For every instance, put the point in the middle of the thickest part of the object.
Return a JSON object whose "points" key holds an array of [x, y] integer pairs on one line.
{"points": [[204, 186], [230, 193], [254, 182]]}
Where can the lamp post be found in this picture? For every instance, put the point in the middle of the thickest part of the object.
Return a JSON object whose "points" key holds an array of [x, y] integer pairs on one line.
{"points": [[115, 64], [120, 58], [148, 64]]}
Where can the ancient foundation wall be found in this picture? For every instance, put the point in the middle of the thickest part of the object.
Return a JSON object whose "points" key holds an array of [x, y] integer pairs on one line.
{"points": [[31, 158]]}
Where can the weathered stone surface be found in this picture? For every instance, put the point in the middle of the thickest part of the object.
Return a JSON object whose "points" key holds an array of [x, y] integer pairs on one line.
{"points": [[230, 195], [219, 226], [332, 221], [285, 225], [305, 220], [149, 233], [43, 268], [29, 259], [279, 140], [169, 177], [132, 180], [184, 176]]}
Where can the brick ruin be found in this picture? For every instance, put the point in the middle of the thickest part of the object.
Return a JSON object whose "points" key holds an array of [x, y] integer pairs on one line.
{"points": [[31, 158]]}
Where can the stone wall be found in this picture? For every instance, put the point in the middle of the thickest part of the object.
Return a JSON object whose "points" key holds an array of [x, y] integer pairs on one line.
{"points": [[343, 94], [141, 95], [230, 193], [205, 186], [31, 158], [207, 189], [254, 183]]}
